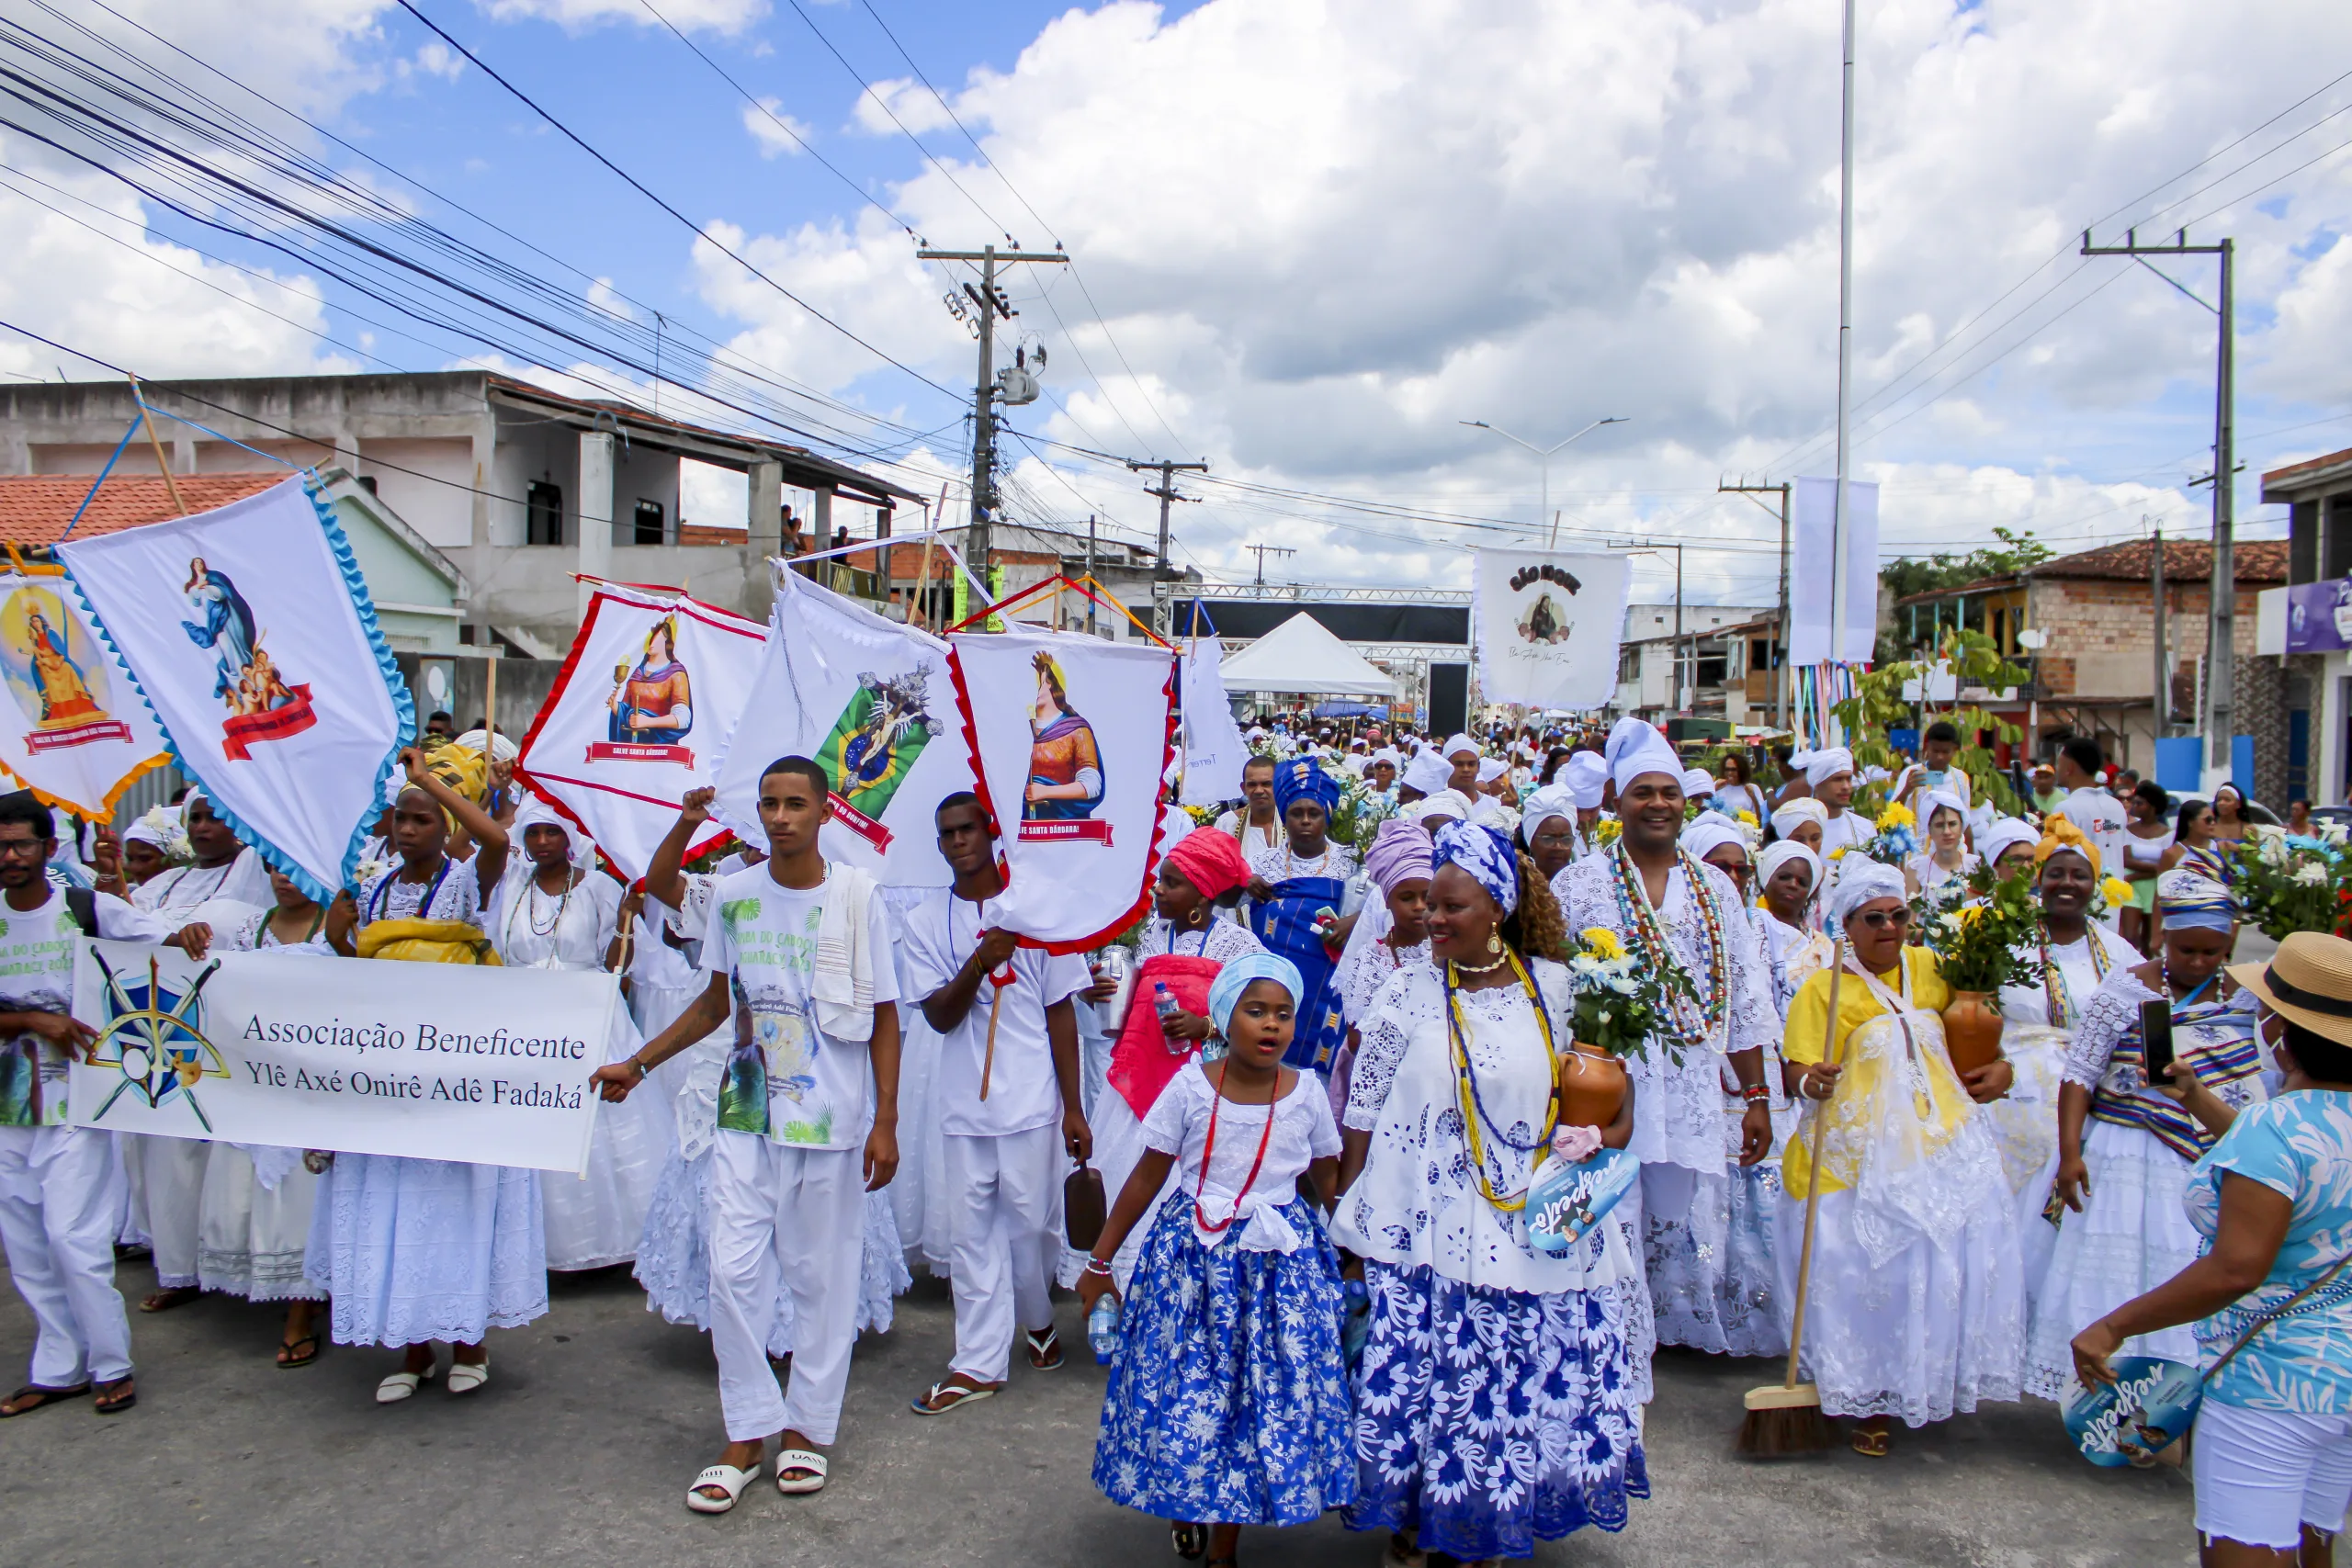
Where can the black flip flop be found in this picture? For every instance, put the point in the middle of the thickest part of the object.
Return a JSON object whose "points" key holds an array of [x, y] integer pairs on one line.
{"points": [[289, 1363], [1191, 1540], [48, 1397], [108, 1402]]}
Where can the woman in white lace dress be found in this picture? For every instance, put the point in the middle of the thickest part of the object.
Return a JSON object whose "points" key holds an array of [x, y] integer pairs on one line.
{"points": [[1917, 1301], [2125, 1149], [417, 1250], [1498, 1400], [1947, 857], [553, 909], [1399, 865]]}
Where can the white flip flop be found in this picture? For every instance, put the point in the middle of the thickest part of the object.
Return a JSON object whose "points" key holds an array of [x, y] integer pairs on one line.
{"points": [[727, 1478], [402, 1386], [467, 1376], [799, 1458]]}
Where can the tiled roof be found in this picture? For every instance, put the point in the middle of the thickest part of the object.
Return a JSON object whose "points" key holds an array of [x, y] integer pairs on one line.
{"points": [[2293, 472], [2256, 562], [35, 509]]}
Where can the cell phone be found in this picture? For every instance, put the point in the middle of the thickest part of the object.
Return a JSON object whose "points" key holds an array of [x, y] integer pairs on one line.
{"points": [[2155, 1034]]}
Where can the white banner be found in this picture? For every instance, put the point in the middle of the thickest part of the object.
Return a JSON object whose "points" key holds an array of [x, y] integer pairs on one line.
{"points": [[1071, 737], [1547, 626], [250, 632], [871, 700], [482, 1064], [1213, 751], [642, 708], [86, 736], [1812, 556]]}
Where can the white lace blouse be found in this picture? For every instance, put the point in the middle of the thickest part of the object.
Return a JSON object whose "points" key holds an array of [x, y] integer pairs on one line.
{"points": [[1366, 968], [1419, 1204], [1678, 1110]]}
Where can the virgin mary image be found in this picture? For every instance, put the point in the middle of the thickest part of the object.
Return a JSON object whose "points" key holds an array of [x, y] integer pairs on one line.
{"points": [[65, 698], [653, 704], [1064, 767]]}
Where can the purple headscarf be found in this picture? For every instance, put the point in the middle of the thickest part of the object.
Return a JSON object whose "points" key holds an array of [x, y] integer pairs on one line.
{"points": [[1400, 852]]}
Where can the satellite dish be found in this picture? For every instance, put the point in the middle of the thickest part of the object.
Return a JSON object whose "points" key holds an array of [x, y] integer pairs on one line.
{"points": [[1017, 385]]}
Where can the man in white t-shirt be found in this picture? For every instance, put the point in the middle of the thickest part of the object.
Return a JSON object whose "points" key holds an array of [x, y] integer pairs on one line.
{"points": [[1830, 773], [808, 1124], [60, 1198], [1008, 1100], [2089, 807], [1256, 826]]}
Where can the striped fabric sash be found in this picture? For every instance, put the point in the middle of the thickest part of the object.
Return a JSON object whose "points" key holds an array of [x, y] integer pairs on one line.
{"points": [[2224, 1050]]}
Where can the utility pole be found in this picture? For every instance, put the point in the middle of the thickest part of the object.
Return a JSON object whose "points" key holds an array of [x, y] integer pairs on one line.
{"points": [[1263, 551], [2162, 687], [2219, 716], [1651, 547], [992, 303], [1782, 676], [1166, 491], [1089, 571], [1841, 585]]}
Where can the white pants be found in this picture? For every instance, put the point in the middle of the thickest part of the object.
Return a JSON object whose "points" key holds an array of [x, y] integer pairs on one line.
{"points": [[1004, 1202], [169, 1174], [798, 1216], [2263, 1475], [60, 1205]]}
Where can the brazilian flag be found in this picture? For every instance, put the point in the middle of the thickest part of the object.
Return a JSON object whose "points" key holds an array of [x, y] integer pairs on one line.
{"points": [[865, 760]]}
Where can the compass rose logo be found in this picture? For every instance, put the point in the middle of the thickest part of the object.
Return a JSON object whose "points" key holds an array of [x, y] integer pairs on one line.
{"points": [[154, 1035]]}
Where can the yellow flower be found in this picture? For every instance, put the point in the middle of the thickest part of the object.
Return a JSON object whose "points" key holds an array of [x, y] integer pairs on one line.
{"points": [[2115, 890], [1896, 815], [1839, 852], [1601, 942], [1746, 818], [1970, 913], [1606, 831]]}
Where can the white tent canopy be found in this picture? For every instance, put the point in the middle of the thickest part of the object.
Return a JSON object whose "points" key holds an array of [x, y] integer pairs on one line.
{"points": [[1302, 656]]}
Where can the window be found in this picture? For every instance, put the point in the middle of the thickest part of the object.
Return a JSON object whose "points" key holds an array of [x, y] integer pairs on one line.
{"points": [[1711, 669], [648, 522], [543, 514]]}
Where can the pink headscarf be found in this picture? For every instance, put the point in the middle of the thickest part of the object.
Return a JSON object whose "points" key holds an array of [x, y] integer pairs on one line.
{"points": [[1210, 861], [1400, 852]]}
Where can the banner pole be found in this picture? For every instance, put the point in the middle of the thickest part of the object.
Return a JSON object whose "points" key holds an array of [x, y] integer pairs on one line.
{"points": [[156, 441]]}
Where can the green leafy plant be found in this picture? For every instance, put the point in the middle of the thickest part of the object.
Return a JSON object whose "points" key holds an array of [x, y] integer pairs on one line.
{"points": [[1878, 705], [1989, 940], [1620, 1005], [2289, 883]]}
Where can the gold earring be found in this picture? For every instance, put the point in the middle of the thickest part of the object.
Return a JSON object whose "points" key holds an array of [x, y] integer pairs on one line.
{"points": [[1494, 942]]}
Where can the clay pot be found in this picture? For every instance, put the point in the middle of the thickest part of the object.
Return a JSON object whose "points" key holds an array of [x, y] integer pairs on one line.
{"points": [[1592, 1087], [1973, 1029]]}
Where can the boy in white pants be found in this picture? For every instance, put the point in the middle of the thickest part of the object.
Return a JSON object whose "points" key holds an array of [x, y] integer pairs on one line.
{"points": [[807, 1124], [1009, 1105]]}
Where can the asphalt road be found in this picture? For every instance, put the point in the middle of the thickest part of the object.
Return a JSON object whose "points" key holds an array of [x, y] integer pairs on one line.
{"points": [[579, 1449]]}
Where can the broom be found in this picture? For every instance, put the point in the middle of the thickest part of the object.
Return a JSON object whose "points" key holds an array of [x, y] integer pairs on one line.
{"points": [[1785, 1418]]}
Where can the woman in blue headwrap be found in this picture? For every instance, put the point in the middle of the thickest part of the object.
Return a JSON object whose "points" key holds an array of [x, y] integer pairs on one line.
{"points": [[1301, 906], [2125, 1149], [1228, 1404], [1496, 1403]]}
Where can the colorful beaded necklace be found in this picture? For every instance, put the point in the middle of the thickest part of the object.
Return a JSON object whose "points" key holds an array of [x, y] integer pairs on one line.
{"points": [[2061, 1001], [1465, 1082], [1641, 922]]}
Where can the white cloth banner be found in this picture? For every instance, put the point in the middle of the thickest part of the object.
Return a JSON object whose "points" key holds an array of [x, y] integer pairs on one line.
{"points": [[1213, 751], [449, 1061], [653, 686], [1812, 556], [250, 632], [1070, 738], [871, 700], [1548, 625], [86, 735]]}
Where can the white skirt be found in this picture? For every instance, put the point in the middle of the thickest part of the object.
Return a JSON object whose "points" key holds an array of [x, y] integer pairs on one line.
{"points": [[594, 1221], [2132, 1235], [414, 1251], [1933, 1333], [250, 1242]]}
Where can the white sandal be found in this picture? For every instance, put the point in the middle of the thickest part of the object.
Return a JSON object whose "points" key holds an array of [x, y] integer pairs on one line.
{"points": [[727, 1479], [402, 1386], [467, 1376], [791, 1460]]}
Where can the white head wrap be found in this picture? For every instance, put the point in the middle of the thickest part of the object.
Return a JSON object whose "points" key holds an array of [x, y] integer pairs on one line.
{"points": [[1704, 836], [1491, 768], [1427, 772], [1777, 854], [1387, 754], [501, 750], [1459, 743], [1934, 800], [1861, 880], [1586, 773], [2005, 831], [533, 812], [1822, 766], [1697, 784], [1552, 800], [1445, 802], [1803, 809], [1637, 748]]}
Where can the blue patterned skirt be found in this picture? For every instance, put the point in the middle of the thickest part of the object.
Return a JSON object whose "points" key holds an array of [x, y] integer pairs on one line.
{"points": [[1227, 1400], [1487, 1419]]}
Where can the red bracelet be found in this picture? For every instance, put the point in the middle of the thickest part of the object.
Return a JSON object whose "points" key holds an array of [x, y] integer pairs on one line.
{"points": [[1755, 1091]]}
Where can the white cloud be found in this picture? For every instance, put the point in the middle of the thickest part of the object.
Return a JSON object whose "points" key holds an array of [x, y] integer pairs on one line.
{"points": [[690, 15], [777, 134], [912, 103]]}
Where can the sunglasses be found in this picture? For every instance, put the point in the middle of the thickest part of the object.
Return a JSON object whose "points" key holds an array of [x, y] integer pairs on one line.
{"points": [[1884, 919]]}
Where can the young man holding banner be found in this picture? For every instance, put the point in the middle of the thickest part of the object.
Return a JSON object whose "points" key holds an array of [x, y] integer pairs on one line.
{"points": [[1009, 1105], [60, 1198], [808, 1124]]}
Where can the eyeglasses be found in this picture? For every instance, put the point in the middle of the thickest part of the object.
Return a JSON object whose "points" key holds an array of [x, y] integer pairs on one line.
{"points": [[1884, 919], [1554, 840]]}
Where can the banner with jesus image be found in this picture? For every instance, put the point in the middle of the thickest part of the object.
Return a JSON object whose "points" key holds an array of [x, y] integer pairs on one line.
{"points": [[249, 632], [1069, 738]]}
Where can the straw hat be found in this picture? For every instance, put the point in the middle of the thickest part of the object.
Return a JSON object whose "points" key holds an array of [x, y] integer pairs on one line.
{"points": [[2309, 982]]}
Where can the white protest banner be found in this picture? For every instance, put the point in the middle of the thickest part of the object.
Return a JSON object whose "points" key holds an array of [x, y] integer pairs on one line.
{"points": [[486, 1065], [869, 699], [1811, 556], [644, 703], [87, 735], [1212, 749], [1548, 625], [249, 630], [1069, 738]]}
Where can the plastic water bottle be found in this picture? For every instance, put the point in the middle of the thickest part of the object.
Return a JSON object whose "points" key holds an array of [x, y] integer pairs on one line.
{"points": [[1165, 1001], [1102, 1329]]}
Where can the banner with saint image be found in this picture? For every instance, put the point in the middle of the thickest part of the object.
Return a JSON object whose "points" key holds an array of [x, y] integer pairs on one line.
{"points": [[1069, 738], [80, 734], [642, 707], [1547, 626]]}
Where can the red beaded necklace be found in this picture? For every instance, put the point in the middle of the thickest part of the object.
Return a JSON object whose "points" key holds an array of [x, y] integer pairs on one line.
{"points": [[1217, 1094]]}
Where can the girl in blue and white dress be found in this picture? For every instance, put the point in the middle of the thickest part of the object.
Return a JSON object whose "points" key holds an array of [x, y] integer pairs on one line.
{"points": [[1228, 1402]]}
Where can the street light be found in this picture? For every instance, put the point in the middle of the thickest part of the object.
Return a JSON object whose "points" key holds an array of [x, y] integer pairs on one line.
{"points": [[1544, 453]]}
